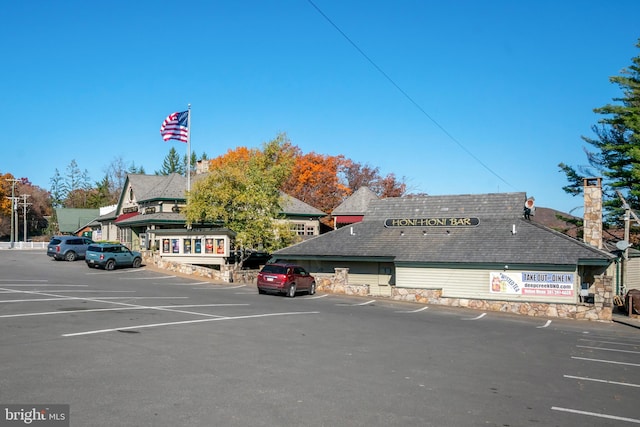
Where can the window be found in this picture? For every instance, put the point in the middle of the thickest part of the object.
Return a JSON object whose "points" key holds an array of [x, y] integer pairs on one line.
{"points": [[124, 235], [187, 245], [297, 228], [311, 230]]}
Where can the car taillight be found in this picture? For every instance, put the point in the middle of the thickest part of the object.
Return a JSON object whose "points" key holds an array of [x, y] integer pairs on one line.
{"points": [[101, 257], [58, 249]]}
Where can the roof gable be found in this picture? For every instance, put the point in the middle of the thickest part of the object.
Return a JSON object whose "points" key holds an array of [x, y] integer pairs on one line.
{"points": [[71, 220], [357, 203], [292, 206]]}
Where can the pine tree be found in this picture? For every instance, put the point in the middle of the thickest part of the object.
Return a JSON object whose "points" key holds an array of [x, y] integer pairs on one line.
{"points": [[172, 164], [617, 145]]}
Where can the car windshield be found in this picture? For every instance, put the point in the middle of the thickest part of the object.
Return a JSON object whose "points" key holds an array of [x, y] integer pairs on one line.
{"points": [[95, 248], [55, 242], [276, 269]]}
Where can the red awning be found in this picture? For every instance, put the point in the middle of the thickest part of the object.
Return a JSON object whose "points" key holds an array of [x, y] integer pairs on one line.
{"points": [[126, 216], [348, 219]]}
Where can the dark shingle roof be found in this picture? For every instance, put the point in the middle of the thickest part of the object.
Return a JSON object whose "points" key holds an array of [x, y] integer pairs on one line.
{"points": [[293, 206], [357, 203], [491, 241], [158, 187]]}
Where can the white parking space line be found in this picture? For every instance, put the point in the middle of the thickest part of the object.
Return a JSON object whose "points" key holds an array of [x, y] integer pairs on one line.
{"points": [[545, 325], [608, 349], [187, 322], [76, 298], [23, 280], [477, 317], [99, 300], [602, 381], [47, 284], [38, 299], [107, 291], [93, 310], [413, 311], [148, 278], [613, 362], [610, 342], [596, 414], [318, 296], [222, 287], [357, 305], [132, 270]]}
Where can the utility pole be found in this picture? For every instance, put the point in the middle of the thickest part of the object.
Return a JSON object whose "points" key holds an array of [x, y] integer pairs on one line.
{"points": [[24, 215], [13, 208]]}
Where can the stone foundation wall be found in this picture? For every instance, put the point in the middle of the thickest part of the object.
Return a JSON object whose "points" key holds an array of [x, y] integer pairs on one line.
{"points": [[536, 309], [189, 269], [338, 283]]}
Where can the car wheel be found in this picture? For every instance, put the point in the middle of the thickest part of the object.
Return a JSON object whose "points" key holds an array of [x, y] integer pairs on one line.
{"points": [[89, 265], [137, 262], [110, 265], [292, 291], [312, 288], [70, 256], [261, 291]]}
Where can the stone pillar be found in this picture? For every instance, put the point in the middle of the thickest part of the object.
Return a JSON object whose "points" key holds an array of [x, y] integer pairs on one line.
{"points": [[593, 212]]}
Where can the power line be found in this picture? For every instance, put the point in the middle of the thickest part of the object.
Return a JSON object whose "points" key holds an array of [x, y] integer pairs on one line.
{"points": [[406, 95]]}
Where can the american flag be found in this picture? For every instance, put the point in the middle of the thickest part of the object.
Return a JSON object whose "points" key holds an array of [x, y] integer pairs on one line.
{"points": [[175, 126]]}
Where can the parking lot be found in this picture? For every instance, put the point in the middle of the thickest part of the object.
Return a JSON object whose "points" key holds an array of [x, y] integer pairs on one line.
{"points": [[138, 347]]}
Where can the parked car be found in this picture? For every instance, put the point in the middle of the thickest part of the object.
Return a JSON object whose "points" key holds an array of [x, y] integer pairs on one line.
{"points": [[285, 278], [112, 255], [69, 248]]}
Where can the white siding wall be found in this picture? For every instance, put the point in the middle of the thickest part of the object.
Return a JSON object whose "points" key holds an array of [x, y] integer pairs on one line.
{"points": [[633, 274], [466, 283]]}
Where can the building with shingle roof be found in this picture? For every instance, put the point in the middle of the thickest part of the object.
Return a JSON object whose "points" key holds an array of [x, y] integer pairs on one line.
{"points": [[74, 220], [149, 203], [352, 209], [474, 246]]}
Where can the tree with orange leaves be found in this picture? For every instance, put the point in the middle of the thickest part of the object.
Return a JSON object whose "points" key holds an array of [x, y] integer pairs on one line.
{"points": [[315, 180]]}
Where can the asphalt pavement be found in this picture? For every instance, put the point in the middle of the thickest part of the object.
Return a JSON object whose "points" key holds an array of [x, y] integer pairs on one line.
{"points": [[140, 347]]}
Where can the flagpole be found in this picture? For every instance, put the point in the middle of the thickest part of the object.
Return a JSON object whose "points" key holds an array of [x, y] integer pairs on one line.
{"points": [[189, 149]]}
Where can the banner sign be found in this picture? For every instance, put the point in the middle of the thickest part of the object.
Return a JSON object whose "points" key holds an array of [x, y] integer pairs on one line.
{"points": [[536, 283]]}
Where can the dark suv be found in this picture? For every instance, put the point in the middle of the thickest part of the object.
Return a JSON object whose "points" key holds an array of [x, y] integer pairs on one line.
{"points": [[285, 278], [69, 248]]}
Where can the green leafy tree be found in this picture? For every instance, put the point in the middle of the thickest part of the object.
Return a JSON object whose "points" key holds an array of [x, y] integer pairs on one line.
{"points": [[172, 164], [244, 196], [616, 146]]}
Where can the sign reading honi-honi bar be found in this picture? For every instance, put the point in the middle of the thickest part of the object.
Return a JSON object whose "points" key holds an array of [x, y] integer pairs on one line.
{"points": [[432, 222]]}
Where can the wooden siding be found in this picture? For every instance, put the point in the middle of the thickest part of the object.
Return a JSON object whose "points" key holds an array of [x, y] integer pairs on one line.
{"points": [[468, 284], [633, 274]]}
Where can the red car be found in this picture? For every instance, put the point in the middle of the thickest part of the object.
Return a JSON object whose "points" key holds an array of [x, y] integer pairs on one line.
{"points": [[285, 278]]}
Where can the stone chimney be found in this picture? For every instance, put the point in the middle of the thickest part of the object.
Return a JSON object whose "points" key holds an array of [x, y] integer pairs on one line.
{"points": [[593, 211]]}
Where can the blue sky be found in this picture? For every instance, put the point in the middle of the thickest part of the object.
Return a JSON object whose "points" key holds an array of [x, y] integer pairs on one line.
{"points": [[513, 82]]}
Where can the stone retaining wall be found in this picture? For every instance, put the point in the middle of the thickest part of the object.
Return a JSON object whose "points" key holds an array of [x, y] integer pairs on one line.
{"points": [[338, 283]]}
